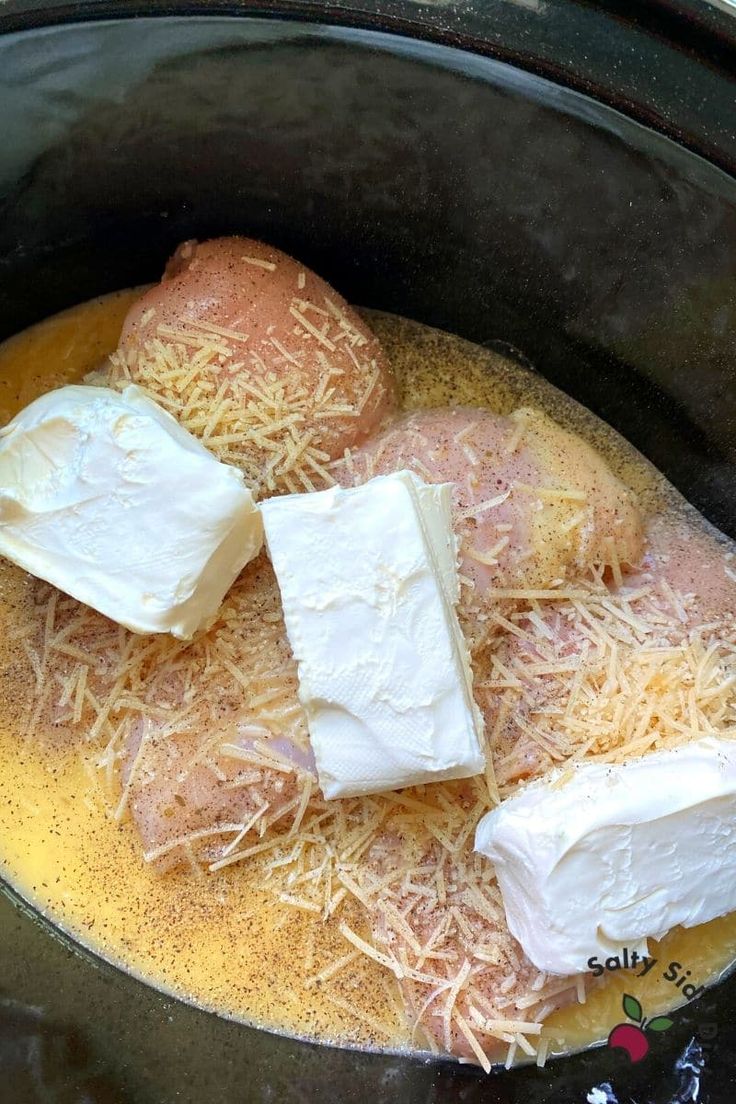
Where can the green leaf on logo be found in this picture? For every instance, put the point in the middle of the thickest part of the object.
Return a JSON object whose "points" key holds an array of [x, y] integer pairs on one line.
{"points": [[632, 1008], [660, 1023]]}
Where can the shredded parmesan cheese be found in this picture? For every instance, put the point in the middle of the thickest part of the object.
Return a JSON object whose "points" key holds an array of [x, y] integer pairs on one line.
{"points": [[232, 391]]}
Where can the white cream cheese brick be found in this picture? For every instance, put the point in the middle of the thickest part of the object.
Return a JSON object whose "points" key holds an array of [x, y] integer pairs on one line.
{"points": [[107, 497], [369, 585], [615, 855]]}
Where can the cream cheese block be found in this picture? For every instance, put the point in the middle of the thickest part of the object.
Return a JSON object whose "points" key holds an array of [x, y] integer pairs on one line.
{"points": [[612, 856], [106, 496], [369, 585]]}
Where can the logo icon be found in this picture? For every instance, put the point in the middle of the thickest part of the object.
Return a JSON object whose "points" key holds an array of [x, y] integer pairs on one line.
{"points": [[632, 1037]]}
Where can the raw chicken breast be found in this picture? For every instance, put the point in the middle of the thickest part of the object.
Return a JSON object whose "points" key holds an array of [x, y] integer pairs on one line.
{"points": [[611, 671], [532, 502], [260, 358]]}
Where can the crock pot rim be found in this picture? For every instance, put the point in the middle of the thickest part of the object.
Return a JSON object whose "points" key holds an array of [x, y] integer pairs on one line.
{"points": [[683, 52]]}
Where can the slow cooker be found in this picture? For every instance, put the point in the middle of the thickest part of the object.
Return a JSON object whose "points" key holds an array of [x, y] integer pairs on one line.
{"points": [[551, 178]]}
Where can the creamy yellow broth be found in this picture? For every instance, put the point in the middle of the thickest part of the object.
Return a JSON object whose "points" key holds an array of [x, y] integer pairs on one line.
{"points": [[219, 941]]}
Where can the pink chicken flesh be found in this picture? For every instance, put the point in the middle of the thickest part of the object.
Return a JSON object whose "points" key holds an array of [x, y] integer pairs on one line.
{"points": [[532, 503], [259, 357]]}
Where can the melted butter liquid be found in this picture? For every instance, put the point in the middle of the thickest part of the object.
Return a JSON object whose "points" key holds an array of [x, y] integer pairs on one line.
{"points": [[220, 942]]}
